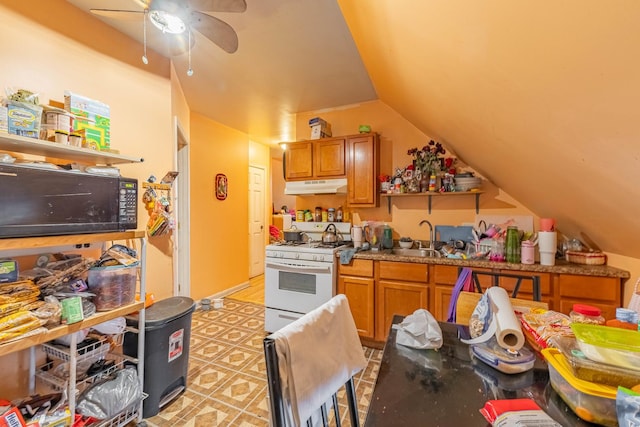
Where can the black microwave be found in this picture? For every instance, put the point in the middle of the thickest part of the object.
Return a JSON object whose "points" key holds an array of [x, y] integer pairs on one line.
{"points": [[43, 201]]}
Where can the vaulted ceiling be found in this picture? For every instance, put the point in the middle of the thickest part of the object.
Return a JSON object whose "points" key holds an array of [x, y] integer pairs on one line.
{"points": [[540, 97]]}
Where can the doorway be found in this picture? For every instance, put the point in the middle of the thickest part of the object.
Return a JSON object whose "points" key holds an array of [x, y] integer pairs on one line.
{"points": [[256, 220], [181, 241]]}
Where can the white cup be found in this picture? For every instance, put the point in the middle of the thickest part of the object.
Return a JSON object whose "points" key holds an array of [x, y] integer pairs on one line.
{"points": [[547, 258], [357, 243], [547, 241]]}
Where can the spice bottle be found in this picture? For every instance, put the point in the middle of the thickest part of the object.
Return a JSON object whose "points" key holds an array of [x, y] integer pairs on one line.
{"points": [[317, 217], [325, 216], [339, 214], [331, 215]]}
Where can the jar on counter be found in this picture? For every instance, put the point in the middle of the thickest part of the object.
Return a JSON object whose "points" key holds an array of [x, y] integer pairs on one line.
{"points": [[582, 313], [331, 215], [308, 216], [339, 214], [325, 216], [317, 217], [300, 215], [527, 252]]}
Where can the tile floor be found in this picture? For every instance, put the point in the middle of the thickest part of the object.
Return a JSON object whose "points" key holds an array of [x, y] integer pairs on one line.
{"points": [[227, 380]]}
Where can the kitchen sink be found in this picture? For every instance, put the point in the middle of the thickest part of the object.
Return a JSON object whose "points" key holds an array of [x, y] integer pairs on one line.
{"points": [[415, 252]]}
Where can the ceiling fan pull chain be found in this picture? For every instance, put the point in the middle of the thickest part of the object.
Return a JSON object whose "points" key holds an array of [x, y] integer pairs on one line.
{"points": [[144, 31], [190, 70]]}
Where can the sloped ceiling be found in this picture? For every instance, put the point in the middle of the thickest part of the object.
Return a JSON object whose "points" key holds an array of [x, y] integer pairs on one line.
{"points": [[542, 98]]}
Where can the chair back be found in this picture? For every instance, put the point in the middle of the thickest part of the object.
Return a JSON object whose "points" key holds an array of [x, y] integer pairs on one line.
{"points": [[467, 302], [308, 362]]}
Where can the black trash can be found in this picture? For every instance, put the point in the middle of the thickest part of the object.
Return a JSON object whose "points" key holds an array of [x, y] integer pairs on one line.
{"points": [[166, 354]]}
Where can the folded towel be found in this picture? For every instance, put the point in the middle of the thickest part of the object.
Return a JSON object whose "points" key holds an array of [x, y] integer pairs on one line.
{"points": [[317, 354], [347, 254]]}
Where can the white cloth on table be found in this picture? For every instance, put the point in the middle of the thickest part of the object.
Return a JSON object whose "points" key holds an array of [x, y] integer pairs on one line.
{"points": [[317, 354]]}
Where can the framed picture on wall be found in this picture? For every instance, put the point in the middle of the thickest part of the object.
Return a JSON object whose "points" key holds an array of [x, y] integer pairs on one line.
{"points": [[222, 185]]}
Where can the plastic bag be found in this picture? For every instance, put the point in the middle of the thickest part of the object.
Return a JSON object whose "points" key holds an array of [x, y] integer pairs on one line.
{"points": [[108, 398], [464, 283], [419, 330], [628, 407]]}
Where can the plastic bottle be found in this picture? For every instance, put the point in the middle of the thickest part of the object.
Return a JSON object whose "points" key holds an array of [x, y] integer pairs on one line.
{"points": [[387, 237], [512, 247]]}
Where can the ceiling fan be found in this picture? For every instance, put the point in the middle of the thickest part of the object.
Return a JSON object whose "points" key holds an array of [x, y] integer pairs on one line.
{"points": [[181, 18]]}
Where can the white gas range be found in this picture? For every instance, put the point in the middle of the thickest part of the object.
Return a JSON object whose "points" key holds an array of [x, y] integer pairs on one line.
{"points": [[300, 276]]}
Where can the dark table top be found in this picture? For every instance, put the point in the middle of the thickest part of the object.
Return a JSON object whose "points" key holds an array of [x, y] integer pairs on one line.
{"points": [[448, 387]]}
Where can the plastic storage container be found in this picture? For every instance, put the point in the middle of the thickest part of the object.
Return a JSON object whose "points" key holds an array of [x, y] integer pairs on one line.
{"points": [[507, 361], [166, 360], [614, 346], [582, 313], [588, 370], [590, 401], [114, 286]]}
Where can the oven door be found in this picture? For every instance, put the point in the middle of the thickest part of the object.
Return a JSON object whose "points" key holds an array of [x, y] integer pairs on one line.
{"points": [[297, 286]]}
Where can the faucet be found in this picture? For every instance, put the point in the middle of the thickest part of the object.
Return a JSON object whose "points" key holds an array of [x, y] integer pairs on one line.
{"points": [[432, 242]]}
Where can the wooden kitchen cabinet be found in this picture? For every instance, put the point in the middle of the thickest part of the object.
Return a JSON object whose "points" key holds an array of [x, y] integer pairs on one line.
{"points": [[329, 158], [401, 288], [321, 158], [363, 153], [356, 282], [298, 161], [602, 292]]}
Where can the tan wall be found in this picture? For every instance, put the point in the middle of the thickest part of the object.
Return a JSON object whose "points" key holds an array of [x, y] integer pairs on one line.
{"points": [[397, 136], [48, 62], [219, 232]]}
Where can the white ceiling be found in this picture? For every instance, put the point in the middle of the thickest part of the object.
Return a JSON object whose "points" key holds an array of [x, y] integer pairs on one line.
{"points": [[293, 56]]}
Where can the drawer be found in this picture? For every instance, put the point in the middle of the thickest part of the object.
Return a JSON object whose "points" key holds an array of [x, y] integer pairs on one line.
{"points": [[590, 287], [357, 267], [404, 271], [445, 274]]}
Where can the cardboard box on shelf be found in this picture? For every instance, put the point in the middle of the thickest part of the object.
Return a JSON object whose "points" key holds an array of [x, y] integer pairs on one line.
{"points": [[320, 131], [92, 116], [23, 118], [4, 120]]}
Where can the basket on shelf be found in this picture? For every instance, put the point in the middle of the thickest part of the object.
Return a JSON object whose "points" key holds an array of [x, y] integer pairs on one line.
{"points": [[587, 258]]}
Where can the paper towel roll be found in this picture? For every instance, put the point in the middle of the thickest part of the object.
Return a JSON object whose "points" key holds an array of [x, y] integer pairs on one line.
{"points": [[547, 241], [504, 323], [508, 330]]}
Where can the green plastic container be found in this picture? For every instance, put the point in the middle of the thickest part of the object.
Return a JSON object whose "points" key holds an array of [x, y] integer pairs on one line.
{"points": [[614, 346]]}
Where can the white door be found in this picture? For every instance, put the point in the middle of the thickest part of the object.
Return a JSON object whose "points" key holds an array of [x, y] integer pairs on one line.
{"points": [[181, 267], [256, 221]]}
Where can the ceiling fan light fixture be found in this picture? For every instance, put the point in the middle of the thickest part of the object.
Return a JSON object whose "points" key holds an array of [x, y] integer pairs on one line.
{"points": [[167, 22]]}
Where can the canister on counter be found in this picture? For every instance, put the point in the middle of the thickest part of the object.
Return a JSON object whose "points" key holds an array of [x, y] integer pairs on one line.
{"points": [[331, 215], [325, 216], [300, 215], [308, 216]]}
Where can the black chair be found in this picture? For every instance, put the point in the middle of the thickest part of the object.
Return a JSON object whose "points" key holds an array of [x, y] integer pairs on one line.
{"points": [[277, 400], [535, 280]]}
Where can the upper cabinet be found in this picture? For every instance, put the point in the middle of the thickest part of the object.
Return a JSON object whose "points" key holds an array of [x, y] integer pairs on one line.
{"points": [[363, 152], [321, 158]]}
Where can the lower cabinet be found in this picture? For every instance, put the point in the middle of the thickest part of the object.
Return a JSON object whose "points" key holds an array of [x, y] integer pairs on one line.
{"points": [[377, 290], [356, 282]]}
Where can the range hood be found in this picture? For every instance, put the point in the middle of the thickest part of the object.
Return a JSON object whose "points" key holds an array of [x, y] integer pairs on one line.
{"points": [[316, 186]]}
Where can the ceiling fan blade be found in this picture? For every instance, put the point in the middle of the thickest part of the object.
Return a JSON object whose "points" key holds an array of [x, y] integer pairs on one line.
{"points": [[179, 43], [219, 5], [215, 30], [126, 15]]}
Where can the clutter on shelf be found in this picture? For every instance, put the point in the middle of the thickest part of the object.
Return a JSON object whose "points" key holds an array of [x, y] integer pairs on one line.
{"points": [[157, 201]]}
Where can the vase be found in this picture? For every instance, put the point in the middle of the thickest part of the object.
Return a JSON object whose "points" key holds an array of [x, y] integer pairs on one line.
{"points": [[424, 184]]}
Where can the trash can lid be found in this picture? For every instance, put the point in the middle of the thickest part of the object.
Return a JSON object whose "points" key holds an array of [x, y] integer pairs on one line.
{"points": [[166, 310]]}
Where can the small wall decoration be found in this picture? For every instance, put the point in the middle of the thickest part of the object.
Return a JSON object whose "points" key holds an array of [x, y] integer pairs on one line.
{"points": [[221, 186]]}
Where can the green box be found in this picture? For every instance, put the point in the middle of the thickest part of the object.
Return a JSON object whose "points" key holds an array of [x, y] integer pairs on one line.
{"points": [[92, 116]]}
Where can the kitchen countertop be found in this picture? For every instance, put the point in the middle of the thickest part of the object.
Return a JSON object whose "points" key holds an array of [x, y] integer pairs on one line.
{"points": [[561, 266]]}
